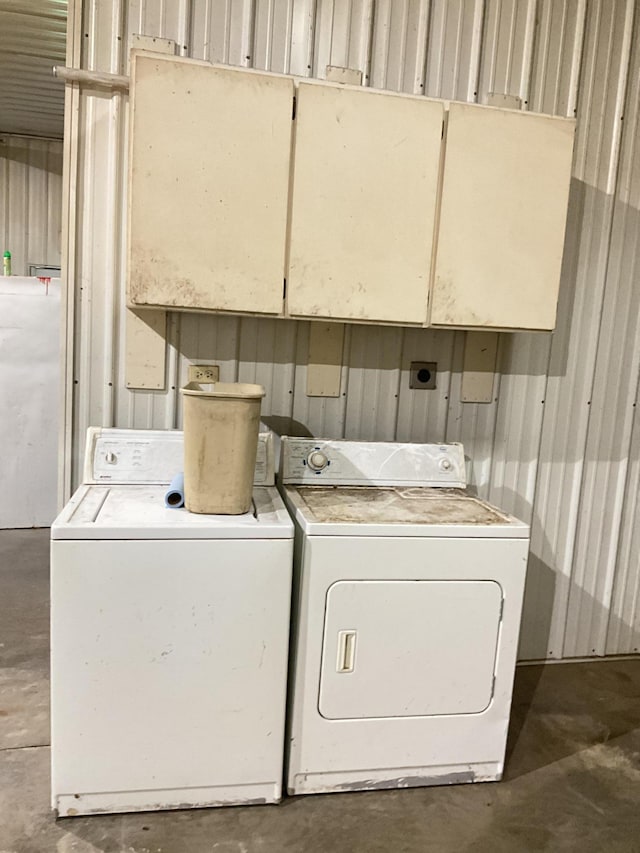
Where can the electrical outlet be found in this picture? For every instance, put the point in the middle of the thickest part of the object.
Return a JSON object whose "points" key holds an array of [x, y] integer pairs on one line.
{"points": [[423, 375], [204, 373]]}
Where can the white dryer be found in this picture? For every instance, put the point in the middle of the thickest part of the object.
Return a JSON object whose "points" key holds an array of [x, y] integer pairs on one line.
{"points": [[407, 602], [169, 638]]}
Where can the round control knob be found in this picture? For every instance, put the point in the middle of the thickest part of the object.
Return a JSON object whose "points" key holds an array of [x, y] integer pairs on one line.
{"points": [[111, 458], [316, 460], [445, 465]]}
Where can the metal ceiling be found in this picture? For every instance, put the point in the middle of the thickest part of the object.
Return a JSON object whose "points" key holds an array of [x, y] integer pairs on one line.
{"points": [[33, 40]]}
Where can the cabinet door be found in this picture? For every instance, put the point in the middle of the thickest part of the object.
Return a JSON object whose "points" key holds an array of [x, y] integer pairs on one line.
{"points": [[209, 180], [504, 206], [365, 182]]}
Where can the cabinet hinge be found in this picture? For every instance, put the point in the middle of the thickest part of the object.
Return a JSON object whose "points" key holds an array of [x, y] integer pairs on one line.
{"points": [[284, 289], [293, 110], [441, 132]]}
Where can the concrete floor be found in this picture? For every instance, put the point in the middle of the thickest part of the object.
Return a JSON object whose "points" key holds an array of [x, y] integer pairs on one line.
{"points": [[572, 780]]}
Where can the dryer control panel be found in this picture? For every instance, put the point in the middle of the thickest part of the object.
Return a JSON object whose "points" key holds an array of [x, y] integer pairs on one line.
{"points": [[371, 463]]}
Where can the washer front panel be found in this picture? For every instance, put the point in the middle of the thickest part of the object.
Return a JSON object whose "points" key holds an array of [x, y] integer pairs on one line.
{"points": [[169, 669]]}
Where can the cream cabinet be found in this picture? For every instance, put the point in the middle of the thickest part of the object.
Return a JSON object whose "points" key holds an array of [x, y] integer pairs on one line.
{"points": [[257, 193], [364, 198], [209, 184], [502, 219]]}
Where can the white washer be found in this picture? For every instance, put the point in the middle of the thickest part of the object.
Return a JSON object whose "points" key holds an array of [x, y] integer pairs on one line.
{"points": [[407, 601], [169, 638]]}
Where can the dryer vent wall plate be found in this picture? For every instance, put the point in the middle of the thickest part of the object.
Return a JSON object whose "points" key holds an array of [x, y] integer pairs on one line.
{"points": [[422, 376]]}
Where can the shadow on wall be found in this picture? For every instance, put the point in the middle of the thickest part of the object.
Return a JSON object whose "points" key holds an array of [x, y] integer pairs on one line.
{"points": [[580, 612], [32, 153], [573, 252], [540, 585], [286, 426], [537, 611]]}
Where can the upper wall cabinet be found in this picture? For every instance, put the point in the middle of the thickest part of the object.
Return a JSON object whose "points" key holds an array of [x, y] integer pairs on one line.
{"points": [[359, 205], [365, 182], [209, 182], [502, 221]]}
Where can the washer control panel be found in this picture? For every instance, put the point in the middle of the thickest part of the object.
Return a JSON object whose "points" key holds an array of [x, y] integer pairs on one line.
{"points": [[148, 456], [374, 463]]}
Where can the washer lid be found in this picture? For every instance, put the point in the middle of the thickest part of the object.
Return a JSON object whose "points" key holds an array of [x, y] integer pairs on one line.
{"points": [[139, 512], [398, 511]]}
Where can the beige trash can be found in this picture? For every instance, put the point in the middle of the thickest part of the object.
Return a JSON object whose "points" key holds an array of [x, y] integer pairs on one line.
{"points": [[221, 423]]}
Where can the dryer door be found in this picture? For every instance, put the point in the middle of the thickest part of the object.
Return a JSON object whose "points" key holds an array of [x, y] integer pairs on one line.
{"points": [[409, 648]]}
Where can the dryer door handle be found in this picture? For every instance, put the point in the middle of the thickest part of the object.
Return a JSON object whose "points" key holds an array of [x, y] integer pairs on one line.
{"points": [[346, 651]]}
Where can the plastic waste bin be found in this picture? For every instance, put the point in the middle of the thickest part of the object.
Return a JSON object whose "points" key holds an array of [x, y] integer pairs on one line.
{"points": [[221, 423]]}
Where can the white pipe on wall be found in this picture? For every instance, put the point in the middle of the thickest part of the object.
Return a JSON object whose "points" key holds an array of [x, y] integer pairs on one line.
{"points": [[95, 78]]}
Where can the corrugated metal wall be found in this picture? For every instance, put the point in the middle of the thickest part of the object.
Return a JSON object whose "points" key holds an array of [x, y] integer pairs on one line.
{"points": [[30, 200], [33, 40], [560, 443]]}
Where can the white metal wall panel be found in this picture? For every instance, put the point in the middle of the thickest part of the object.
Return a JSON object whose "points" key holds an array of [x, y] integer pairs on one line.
{"points": [[375, 365], [169, 19], [574, 348], [454, 49], [623, 635], [612, 408], [284, 36], [100, 191], [342, 35], [509, 29], [523, 361], [521, 404], [399, 45], [266, 356], [623, 629], [422, 415], [557, 56], [30, 201], [560, 462], [275, 36], [221, 31]]}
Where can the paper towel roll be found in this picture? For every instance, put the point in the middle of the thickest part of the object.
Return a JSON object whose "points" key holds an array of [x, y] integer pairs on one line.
{"points": [[174, 497]]}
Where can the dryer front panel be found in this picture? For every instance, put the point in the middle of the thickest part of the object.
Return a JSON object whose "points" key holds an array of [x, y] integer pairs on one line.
{"points": [[395, 648]]}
